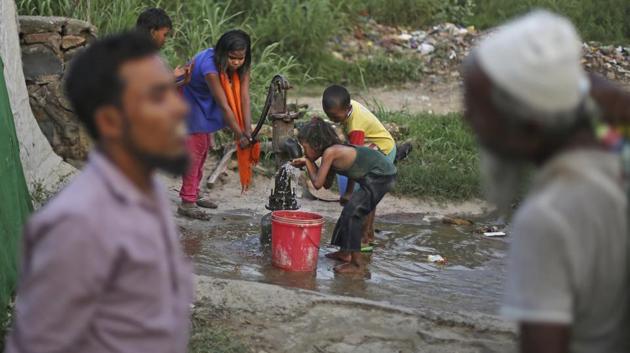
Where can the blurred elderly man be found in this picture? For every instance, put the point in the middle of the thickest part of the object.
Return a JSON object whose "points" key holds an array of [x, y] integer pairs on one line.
{"points": [[527, 100]]}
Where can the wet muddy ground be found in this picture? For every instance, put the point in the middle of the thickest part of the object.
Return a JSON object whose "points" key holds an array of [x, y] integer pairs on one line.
{"points": [[400, 273], [406, 304]]}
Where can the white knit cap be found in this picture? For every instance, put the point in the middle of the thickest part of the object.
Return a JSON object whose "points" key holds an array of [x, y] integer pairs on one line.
{"points": [[536, 59]]}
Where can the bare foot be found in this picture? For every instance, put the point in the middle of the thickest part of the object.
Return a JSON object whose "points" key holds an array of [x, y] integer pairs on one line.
{"points": [[349, 268], [339, 256]]}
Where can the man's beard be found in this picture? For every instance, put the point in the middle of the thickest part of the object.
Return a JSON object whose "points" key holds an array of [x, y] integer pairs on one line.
{"points": [[501, 179], [176, 165]]}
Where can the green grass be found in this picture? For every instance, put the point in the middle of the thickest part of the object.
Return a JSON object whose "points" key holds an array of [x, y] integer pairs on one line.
{"points": [[417, 13], [444, 162], [5, 322], [207, 337], [382, 69], [599, 20]]}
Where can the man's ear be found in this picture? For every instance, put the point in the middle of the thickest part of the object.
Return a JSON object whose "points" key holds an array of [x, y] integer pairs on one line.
{"points": [[109, 122]]}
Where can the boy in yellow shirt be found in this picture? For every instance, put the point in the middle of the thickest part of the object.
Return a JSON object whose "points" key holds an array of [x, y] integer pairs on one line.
{"points": [[362, 129]]}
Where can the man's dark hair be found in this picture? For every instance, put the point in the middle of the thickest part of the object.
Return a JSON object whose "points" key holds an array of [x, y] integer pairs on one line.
{"points": [[319, 135], [230, 41], [153, 19], [334, 97], [93, 81]]}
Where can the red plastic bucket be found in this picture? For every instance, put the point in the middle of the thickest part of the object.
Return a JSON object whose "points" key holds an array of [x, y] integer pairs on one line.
{"points": [[295, 239]]}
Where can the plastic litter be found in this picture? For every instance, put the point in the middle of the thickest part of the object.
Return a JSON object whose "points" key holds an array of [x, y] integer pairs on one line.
{"points": [[441, 48], [494, 234], [437, 259]]}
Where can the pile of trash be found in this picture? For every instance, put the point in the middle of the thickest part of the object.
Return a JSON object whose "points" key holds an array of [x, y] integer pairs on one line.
{"points": [[612, 62], [440, 49]]}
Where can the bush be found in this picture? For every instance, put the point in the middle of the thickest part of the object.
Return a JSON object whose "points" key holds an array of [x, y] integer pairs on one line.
{"points": [[416, 13], [596, 19], [301, 27]]}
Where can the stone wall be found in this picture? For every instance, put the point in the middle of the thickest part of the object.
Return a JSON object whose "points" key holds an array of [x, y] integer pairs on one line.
{"points": [[48, 44]]}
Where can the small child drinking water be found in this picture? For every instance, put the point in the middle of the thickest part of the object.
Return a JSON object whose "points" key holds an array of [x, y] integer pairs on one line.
{"points": [[369, 168]]}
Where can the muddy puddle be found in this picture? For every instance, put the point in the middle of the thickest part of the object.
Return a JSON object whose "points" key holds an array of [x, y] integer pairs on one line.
{"points": [[400, 272]]}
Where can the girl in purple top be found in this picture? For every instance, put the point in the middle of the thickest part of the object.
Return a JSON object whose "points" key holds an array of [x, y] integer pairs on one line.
{"points": [[210, 112]]}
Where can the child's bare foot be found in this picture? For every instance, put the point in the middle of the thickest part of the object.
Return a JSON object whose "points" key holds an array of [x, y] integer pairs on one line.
{"points": [[349, 268], [355, 266], [343, 256]]}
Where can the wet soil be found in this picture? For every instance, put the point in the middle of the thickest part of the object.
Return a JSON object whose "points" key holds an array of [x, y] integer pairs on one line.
{"points": [[399, 270], [405, 304]]}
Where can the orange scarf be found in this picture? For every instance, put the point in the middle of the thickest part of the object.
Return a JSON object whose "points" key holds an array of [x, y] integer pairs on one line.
{"points": [[249, 156]]}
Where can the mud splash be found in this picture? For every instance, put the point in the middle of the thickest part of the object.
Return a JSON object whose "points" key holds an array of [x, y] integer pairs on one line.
{"points": [[399, 270]]}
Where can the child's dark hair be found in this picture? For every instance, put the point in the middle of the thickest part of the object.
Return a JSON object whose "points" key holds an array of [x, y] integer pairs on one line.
{"points": [[334, 97], [319, 135], [231, 41], [93, 77], [153, 19]]}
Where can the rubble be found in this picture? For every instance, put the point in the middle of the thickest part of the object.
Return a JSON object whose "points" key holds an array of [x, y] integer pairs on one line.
{"points": [[609, 61], [441, 48]]}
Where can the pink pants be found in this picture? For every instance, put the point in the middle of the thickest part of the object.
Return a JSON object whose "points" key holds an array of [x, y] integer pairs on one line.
{"points": [[198, 146]]}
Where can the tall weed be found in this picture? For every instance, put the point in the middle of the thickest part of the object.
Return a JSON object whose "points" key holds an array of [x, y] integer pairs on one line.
{"points": [[444, 164], [600, 20], [417, 13], [301, 27], [197, 25]]}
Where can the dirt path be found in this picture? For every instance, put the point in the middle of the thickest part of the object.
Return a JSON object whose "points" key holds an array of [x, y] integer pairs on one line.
{"points": [[439, 98]]}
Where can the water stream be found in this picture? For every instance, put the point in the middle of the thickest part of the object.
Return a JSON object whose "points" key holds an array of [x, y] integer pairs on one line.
{"points": [[400, 272]]}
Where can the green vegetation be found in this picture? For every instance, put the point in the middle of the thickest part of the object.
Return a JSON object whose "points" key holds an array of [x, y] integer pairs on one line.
{"points": [[444, 162], [5, 323], [598, 20], [290, 36], [207, 337], [383, 69], [417, 13]]}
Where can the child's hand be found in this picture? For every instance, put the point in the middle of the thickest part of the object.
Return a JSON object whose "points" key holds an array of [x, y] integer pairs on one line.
{"points": [[244, 141], [299, 162], [183, 74], [179, 71]]}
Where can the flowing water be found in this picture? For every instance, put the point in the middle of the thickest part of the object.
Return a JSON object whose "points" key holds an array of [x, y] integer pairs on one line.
{"points": [[400, 272]]}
